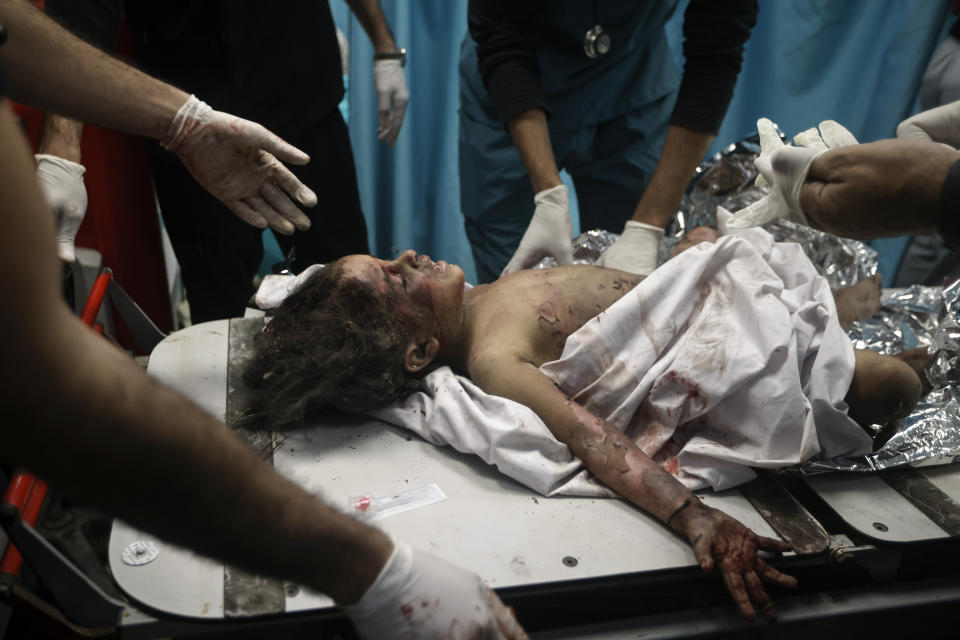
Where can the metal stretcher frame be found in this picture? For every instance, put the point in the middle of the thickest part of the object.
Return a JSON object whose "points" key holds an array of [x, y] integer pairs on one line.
{"points": [[552, 558]]}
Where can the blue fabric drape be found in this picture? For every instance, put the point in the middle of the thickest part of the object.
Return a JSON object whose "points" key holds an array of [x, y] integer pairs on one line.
{"points": [[410, 192], [858, 62]]}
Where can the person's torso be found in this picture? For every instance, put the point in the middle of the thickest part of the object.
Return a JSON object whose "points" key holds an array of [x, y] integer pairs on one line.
{"points": [[277, 64], [534, 310], [582, 91]]}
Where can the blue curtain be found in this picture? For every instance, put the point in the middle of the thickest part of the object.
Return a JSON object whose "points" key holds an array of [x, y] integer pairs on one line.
{"points": [[410, 192], [858, 62]]}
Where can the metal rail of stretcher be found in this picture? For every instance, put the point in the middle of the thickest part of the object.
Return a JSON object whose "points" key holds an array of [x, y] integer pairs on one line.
{"points": [[540, 553]]}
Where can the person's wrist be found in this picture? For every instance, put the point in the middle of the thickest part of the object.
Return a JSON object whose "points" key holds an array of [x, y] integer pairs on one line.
{"points": [[545, 181], [59, 140], [394, 54], [686, 514], [655, 213], [384, 44], [73, 167], [164, 108], [370, 553]]}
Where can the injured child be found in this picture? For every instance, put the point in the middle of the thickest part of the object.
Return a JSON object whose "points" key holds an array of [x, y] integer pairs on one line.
{"points": [[682, 374]]}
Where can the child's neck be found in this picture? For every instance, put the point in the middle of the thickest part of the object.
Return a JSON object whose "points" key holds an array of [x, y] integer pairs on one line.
{"points": [[456, 352]]}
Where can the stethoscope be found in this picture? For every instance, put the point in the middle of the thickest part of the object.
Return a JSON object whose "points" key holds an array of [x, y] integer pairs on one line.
{"points": [[597, 41]]}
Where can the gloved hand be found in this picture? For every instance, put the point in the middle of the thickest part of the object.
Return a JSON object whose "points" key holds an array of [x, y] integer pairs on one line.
{"points": [[785, 168], [418, 595], [344, 45], [392, 98], [548, 234], [635, 250], [237, 161], [941, 124], [61, 182]]}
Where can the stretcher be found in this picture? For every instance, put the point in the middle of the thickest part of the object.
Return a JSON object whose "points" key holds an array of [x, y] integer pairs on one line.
{"points": [[872, 550]]}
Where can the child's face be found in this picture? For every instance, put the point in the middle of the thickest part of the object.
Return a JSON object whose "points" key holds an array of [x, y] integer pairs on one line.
{"points": [[437, 286]]}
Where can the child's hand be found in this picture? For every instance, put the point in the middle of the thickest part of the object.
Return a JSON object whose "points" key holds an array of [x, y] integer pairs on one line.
{"points": [[717, 539]]}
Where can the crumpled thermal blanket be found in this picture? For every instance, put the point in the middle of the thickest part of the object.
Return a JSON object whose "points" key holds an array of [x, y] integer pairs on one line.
{"points": [[727, 357]]}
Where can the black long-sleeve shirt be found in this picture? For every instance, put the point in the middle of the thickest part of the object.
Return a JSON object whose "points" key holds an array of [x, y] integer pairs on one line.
{"points": [[509, 35], [276, 65]]}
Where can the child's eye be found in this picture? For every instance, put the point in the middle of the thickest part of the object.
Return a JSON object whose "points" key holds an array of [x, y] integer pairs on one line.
{"points": [[403, 279]]}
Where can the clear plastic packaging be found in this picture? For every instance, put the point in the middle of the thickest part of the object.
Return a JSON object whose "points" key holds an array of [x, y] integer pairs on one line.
{"points": [[370, 507]]}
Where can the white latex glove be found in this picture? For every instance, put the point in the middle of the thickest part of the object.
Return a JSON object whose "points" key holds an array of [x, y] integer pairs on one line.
{"points": [[785, 168], [635, 250], [344, 46], [941, 124], [392, 98], [237, 161], [549, 233], [418, 595], [61, 182]]}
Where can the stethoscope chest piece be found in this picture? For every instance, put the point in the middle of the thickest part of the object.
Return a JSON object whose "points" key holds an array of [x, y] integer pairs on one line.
{"points": [[597, 42]]}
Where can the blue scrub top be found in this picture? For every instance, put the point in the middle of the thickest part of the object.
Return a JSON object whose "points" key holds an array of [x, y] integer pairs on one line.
{"points": [[582, 91]]}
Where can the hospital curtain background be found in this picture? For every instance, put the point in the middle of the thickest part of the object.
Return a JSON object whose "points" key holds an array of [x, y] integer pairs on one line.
{"points": [[858, 62]]}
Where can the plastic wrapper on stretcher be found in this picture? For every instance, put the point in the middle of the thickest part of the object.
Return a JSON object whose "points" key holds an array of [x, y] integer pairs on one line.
{"points": [[917, 316]]}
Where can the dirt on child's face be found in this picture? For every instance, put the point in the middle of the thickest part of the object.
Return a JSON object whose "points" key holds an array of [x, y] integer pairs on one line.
{"points": [[414, 280]]}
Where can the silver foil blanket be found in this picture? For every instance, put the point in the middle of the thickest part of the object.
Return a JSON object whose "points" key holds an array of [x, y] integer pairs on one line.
{"points": [[913, 317]]}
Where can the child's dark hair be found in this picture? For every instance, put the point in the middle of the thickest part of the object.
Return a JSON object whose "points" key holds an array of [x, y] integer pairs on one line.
{"points": [[332, 343]]}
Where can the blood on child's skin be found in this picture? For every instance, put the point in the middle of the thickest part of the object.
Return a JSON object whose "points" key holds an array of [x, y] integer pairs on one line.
{"points": [[616, 453]]}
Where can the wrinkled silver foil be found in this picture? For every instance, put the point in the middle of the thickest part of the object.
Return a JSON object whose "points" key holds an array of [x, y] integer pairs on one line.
{"points": [[908, 318]]}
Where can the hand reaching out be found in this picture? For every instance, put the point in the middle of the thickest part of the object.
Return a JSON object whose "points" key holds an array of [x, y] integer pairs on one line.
{"points": [[237, 161], [720, 541]]}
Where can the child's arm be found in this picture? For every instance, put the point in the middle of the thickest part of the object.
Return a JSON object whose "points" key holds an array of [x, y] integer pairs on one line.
{"points": [[620, 464]]}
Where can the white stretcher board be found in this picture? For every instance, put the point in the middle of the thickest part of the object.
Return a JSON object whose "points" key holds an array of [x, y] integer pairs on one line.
{"points": [[489, 524], [877, 510]]}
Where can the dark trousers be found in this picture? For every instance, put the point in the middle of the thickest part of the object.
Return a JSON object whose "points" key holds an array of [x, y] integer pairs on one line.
{"points": [[219, 254]]}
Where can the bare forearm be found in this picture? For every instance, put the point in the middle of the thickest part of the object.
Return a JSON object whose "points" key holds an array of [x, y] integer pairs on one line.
{"points": [[620, 464], [53, 70], [682, 152], [61, 137], [605, 451], [371, 18], [532, 139]]}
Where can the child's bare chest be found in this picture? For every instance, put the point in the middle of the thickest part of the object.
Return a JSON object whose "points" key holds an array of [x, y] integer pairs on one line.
{"points": [[533, 312]]}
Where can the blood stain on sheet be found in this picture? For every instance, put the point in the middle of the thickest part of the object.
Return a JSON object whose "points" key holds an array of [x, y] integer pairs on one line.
{"points": [[671, 466], [693, 389], [407, 611]]}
